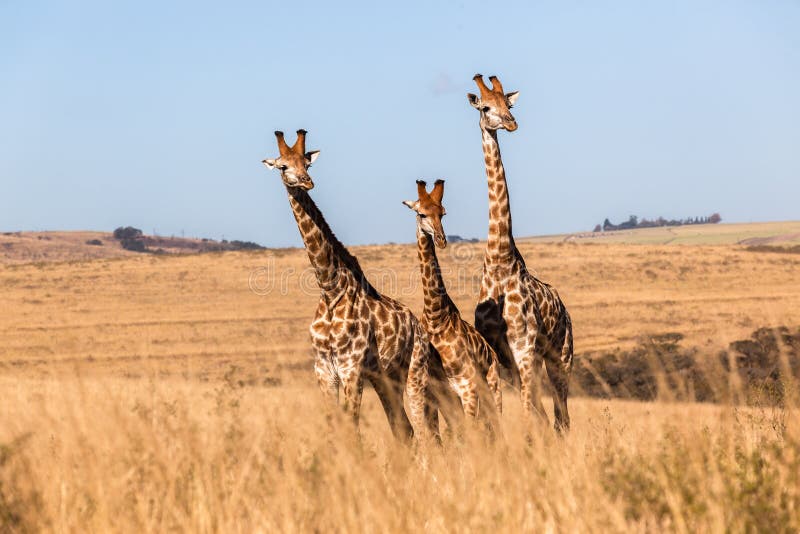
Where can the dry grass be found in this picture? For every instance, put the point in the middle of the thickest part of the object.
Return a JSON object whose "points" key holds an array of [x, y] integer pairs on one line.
{"points": [[161, 393], [156, 455]]}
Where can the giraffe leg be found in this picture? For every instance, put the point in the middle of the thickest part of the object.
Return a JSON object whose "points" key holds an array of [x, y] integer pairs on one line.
{"points": [[508, 364], [327, 378], [468, 394], [390, 392], [423, 388], [353, 385], [493, 379], [328, 381], [432, 415], [444, 399], [449, 405], [530, 371], [559, 380], [487, 405], [421, 401], [324, 360], [559, 368]]}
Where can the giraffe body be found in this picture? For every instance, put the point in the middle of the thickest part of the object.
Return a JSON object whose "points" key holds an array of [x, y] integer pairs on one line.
{"points": [[469, 363], [522, 317]]}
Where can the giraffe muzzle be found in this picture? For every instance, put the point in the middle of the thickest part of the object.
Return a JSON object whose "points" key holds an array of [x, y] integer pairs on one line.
{"points": [[305, 183]]}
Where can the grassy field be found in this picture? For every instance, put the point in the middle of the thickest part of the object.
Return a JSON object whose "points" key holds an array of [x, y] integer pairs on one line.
{"points": [[153, 393]]}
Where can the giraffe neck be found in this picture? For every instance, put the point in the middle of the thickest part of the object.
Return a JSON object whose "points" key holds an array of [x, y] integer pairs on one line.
{"points": [[437, 303], [500, 243], [332, 262]]}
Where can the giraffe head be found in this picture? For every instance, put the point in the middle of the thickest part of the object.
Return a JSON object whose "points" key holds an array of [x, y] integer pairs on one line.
{"points": [[430, 211], [494, 104], [294, 161]]}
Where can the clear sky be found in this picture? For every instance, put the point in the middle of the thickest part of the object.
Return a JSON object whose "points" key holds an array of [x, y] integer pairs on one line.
{"points": [[158, 114]]}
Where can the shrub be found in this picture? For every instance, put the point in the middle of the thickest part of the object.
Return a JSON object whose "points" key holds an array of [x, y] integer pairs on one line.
{"points": [[95, 242], [657, 362], [127, 232], [660, 367], [134, 245], [760, 363], [245, 245]]}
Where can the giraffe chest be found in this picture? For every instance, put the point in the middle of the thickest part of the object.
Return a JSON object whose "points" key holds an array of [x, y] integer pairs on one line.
{"points": [[340, 326], [459, 352]]}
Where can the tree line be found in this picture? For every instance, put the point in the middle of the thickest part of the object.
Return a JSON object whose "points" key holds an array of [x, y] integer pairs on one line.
{"points": [[634, 222], [133, 239]]}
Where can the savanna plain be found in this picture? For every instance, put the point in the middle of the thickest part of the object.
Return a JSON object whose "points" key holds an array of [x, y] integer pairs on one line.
{"points": [[152, 393]]}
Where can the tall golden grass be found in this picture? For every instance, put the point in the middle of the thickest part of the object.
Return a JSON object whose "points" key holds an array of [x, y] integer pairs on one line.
{"points": [[163, 394], [160, 455]]}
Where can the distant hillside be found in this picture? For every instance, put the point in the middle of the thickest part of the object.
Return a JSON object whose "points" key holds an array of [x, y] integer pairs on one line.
{"points": [[783, 233], [50, 246], [28, 247]]}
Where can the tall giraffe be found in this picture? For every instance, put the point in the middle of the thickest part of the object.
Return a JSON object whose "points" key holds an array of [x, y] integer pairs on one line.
{"points": [[521, 316], [470, 364], [357, 334]]}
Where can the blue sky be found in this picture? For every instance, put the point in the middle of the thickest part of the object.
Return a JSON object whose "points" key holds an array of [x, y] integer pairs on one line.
{"points": [[157, 114]]}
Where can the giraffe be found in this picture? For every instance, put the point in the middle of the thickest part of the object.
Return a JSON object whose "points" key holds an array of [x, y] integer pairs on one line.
{"points": [[357, 334], [523, 318], [470, 364]]}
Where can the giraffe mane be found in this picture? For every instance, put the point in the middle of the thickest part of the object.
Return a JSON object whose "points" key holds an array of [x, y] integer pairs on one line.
{"points": [[349, 261]]}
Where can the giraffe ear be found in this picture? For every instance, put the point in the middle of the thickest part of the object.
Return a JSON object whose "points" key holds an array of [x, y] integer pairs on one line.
{"points": [[312, 156], [411, 204], [512, 98], [270, 163], [474, 101]]}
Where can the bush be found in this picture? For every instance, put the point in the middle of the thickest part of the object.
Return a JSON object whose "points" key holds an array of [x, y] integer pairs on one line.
{"points": [[134, 245], [660, 367], [760, 363], [127, 232], [245, 245], [641, 373], [95, 242], [130, 238]]}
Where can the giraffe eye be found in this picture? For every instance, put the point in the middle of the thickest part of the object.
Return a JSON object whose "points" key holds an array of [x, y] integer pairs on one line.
{"points": [[283, 167], [485, 109], [423, 216]]}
